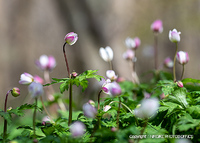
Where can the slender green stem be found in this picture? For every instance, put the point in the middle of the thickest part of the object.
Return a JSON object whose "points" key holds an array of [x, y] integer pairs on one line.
{"points": [[99, 99], [45, 109], [174, 70], [5, 121], [34, 117], [183, 71], [118, 111], [142, 131], [70, 104], [156, 51]]}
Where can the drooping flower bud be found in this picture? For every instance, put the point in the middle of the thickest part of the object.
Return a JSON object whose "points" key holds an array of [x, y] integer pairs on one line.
{"points": [[15, 92], [168, 63], [111, 75], [71, 38], [35, 89], [179, 83], [46, 63], [106, 54], [74, 74], [129, 55], [174, 36], [115, 89], [89, 111], [26, 78], [182, 57], [77, 129], [148, 108], [157, 26]]}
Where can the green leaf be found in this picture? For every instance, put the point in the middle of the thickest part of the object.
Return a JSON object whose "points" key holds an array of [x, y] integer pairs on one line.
{"points": [[6, 116], [64, 86], [180, 94], [167, 86]]}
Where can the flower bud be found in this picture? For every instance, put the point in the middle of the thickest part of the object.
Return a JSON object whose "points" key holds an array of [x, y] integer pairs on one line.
{"points": [[38, 79], [130, 43], [111, 74], [26, 78], [179, 83], [115, 89], [148, 108], [91, 102], [15, 92], [137, 42], [157, 26], [89, 111], [106, 54], [45, 120], [105, 86], [35, 89], [77, 129], [129, 54], [174, 36], [106, 108], [168, 63], [71, 38], [182, 57], [74, 74], [46, 62]]}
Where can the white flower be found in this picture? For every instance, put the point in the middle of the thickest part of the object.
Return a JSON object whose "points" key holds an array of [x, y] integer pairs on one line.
{"points": [[77, 129], [89, 110], [26, 78], [111, 74], [106, 54], [130, 43], [182, 57], [148, 108], [174, 36], [106, 108]]}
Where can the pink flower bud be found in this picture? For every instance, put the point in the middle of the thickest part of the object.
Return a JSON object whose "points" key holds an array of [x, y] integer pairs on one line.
{"points": [[38, 79], [115, 89], [74, 74], [77, 129], [106, 54], [137, 42], [113, 129], [106, 108], [89, 110], [168, 63], [179, 83], [105, 86], [182, 57], [111, 74], [157, 26], [46, 62], [174, 36], [129, 55], [35, 89], [71, 38], [26, 78], [15, 92]]}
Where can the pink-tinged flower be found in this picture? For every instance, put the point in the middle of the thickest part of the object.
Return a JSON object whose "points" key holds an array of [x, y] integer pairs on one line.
{"points": [[46, 62], [71, 38], [120, 79], [147, 109], [130, 43], [106, 54], [35, 89], [26, 78], [129, 55], [112, 88], [38, 79], [105, 86], [77, 129], [157, 26], [111, 75], [137, 42], [179, 83], [174, 36], [113, 129], [168, 63], [182, 57], [45, 120], [74, 74], [89, 111], [106, 108], [15, 92]]}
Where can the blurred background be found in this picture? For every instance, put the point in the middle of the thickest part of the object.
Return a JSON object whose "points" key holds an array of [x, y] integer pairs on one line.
{"points": [[31, 28]]}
